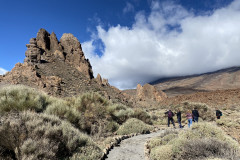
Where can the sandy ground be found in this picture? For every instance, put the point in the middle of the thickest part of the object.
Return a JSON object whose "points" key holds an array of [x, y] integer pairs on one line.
{"points": [[131, 148]]}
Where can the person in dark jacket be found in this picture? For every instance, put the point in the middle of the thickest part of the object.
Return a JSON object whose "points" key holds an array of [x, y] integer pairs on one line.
{"points": [[195, 115], [179, 118], [218, 113], [170, 117]]}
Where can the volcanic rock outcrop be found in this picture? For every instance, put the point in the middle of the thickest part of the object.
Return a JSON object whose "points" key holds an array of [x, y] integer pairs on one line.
{"points": [[149, 92], [102, 81], [59, 69], [46, 49]]}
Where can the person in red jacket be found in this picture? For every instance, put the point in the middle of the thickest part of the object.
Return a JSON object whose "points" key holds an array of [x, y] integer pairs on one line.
{"points": [[170, 117]]}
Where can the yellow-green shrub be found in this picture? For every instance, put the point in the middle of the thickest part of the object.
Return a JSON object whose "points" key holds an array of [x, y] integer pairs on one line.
{"points": [[60, 108], [29, 135], [142, 115], [134, 125], [202, 140], [119, 112], [162, 153], [19, 98]]}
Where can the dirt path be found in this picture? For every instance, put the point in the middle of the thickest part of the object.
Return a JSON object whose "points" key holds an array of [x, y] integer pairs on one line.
{"points": [[132, 148]]}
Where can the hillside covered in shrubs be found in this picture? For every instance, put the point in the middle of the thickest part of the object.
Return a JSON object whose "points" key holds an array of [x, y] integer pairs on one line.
{"points": [[37, 126]]}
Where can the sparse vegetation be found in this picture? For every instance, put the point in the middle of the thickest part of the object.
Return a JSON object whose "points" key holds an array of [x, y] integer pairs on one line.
{"points": [[203, 140], [28, 135], [20, 98]]}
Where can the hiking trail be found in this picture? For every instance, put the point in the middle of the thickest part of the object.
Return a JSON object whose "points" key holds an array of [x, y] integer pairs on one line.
{"points": [[131, 148]]}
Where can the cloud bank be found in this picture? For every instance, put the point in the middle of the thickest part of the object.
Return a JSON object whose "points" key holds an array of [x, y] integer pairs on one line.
{"points": [[170, 41], [2, 71]]}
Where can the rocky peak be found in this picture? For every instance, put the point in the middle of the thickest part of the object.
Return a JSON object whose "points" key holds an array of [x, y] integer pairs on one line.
{"points": [[149, 92], [102, 81], [46, 48], [43, 40]]}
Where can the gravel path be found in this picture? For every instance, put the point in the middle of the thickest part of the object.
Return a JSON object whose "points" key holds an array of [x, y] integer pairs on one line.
{"points": [[131, 148]]}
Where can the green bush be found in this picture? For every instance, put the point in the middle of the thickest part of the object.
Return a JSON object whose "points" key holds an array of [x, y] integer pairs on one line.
{"points": [[28, 135], [90, 101], [134, 125], [142, 115], [119, 112], [61, 109], [19, 98], [162, 153]]}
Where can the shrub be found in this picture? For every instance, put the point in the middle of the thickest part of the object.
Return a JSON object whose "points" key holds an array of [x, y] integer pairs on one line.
{"points": [[112, 126], [60, 108], [162, 153], [134, 125], [203, 140], [28, 135], [119, 112], [142, 115], [89, 101], [93, 109], [208, 147], [19, 98]]}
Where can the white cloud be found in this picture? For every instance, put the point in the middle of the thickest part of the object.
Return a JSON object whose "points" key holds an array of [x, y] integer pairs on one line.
{"points": [[2, 71], [150, 50], [128, 8]]}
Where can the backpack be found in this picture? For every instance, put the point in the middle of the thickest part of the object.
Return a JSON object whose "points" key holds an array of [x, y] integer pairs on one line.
{"points": [[219, 113], [170, 114]]}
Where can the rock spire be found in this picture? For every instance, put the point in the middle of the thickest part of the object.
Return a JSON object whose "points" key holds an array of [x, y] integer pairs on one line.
{"points": [[46, 48]]}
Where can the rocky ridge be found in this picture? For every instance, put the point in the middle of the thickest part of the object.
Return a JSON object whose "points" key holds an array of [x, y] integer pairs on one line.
{"points": [[59, 68]]}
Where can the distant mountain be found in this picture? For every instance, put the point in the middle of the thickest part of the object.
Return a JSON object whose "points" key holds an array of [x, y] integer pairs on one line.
{"points": [[224, 79]]}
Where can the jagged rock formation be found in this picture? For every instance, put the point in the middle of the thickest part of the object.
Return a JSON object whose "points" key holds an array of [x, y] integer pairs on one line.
{"points": [[59, 69], [149, 92], [46, 49], [102, 81]]}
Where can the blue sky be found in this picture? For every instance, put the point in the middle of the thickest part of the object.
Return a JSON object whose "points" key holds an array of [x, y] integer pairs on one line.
{"points": [[129, 41]]}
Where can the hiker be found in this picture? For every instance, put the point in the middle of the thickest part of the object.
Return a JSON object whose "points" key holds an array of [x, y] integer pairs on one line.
{"points": [[189, 117], [218, 113], [170, 117], [179, 118], [195, 115]]}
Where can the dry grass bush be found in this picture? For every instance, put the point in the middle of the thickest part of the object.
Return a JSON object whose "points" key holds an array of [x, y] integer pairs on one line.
{"points": [[158, 141], [208, 147], [203, 140], [93, 107], [29, 135], [142, 115], [134, 125], [119, 112], [19, 98], [64, 111], [162, 153]]}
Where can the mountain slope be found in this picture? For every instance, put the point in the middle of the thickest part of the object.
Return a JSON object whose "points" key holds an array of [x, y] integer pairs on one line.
{"points": [[220, 80]]}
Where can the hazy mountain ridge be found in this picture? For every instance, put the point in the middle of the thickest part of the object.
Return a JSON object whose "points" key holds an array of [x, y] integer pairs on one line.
{"points": [[228, 78]]}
